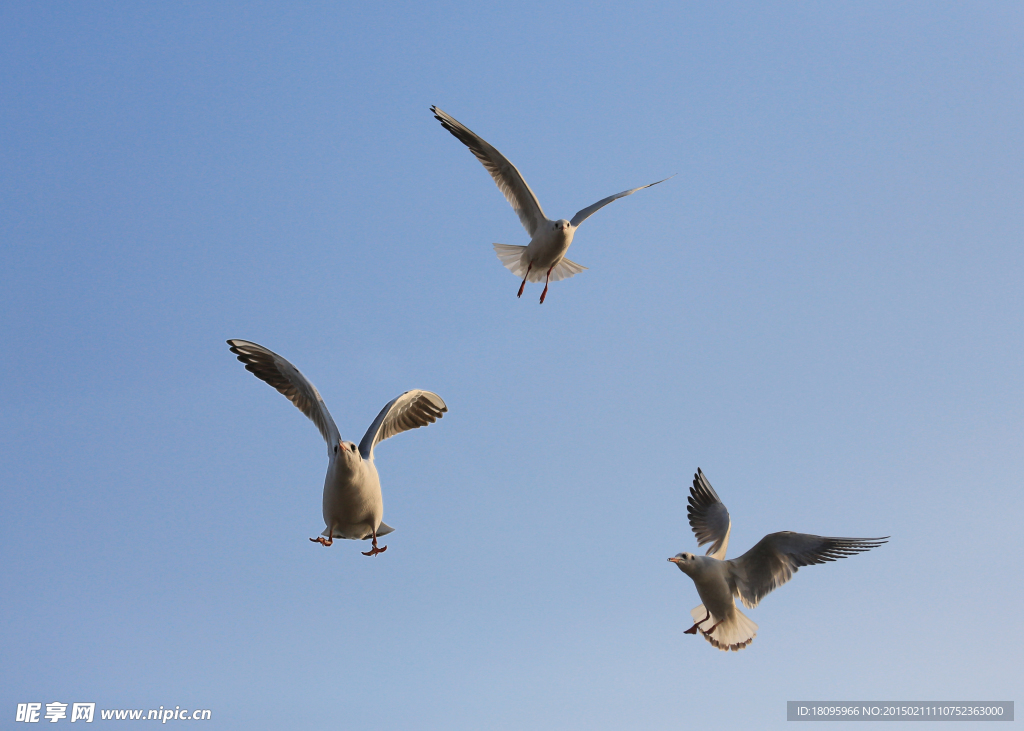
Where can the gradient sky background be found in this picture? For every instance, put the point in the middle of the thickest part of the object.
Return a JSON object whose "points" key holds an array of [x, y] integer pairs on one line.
{"points": [[823, 310]]}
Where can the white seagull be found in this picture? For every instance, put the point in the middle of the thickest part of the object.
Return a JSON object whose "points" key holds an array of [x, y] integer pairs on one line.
{"points": [[766, 566], [353, 506], [549, 240]]}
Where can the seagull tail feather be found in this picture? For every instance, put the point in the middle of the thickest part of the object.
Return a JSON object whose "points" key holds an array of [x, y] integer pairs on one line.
{"points": [[565, 269], [731, 634], [512, 258]]}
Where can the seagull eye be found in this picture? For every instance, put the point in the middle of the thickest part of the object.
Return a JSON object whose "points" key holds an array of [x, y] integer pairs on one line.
{"points": [[335, 448]]}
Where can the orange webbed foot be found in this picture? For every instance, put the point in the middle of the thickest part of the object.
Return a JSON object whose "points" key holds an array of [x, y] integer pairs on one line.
{"points": [[374, 551]]}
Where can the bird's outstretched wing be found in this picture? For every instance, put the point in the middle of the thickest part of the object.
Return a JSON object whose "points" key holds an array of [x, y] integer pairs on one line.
{"points": [[776, 557], [509, 180], [591, 210], [270, 367], [411, 410], [708, 517]]}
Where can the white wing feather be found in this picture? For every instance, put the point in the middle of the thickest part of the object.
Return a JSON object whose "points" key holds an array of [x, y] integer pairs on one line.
{"points": [[708, 517], [776, 557], [275, 370], [592, 209], [411, 410], [507, 177]]}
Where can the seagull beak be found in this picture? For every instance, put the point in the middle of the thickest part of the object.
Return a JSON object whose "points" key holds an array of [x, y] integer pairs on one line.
{"points": [[674, 560]]}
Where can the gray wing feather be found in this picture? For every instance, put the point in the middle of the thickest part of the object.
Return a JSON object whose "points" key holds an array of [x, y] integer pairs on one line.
{"points": [[271, 368], [776, 557], [591, 210], [708, 516], [508, 178], [411, 410]]}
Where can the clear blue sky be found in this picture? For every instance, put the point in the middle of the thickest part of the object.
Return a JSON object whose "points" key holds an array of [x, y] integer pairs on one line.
{"points": [[823, 310]]}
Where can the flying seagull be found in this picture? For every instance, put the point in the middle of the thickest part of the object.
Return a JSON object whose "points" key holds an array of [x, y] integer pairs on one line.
{"points": [[766, 566], [353, 506], [544, 257]]}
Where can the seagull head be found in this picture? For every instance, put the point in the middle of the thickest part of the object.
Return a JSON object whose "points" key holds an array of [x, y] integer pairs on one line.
{"points": [[346, 454], [685, 562], [563, 225]]}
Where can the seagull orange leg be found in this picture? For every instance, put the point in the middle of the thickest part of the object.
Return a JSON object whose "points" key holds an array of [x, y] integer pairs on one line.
{"points": [[545, 292], [374, 551], [712, 628], [324, 541], [693, 629], [524, 280]]}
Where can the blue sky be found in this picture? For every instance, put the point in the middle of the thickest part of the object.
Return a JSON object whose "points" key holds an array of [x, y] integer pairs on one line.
{"points": [[823, 310]]}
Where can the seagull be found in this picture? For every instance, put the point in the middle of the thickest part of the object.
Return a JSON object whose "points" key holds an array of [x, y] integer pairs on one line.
{"points": [[766, 566], [353, 506], [549, 240]]}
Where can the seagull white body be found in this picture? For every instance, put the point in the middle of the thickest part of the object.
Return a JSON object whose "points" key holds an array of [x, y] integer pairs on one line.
{"points": [[766, 566], [730, 629], [544, 257], [549, 244], [353, 506]]}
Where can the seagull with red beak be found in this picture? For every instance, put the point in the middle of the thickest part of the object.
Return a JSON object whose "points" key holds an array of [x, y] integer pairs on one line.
{"points": [[544, 257], [765, 567], [353, 506]]}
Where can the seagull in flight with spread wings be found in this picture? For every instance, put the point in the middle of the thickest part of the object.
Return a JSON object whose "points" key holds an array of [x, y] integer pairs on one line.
{"points": [[353, 505], [766, 566], [544, 257]]}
